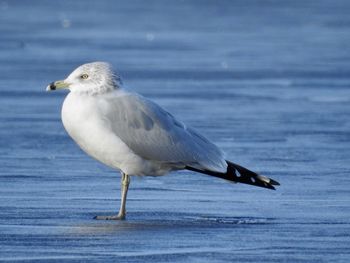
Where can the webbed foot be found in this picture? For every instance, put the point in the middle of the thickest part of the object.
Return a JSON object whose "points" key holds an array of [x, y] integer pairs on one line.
{"points": [[113, 217]]}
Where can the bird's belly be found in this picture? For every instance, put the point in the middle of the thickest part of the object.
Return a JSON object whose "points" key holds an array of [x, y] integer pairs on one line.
{"points": [[95, 142], [94, 137]]}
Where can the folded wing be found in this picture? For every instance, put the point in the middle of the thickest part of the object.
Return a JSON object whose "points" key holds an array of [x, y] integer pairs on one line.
{"points": [[154, 134]]}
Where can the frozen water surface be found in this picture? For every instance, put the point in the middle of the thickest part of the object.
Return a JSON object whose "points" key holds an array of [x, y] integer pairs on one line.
{"points": [[268, 81]]}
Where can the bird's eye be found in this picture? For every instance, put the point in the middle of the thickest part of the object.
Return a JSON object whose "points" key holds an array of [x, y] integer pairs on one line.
{"points": [[84, 76]]}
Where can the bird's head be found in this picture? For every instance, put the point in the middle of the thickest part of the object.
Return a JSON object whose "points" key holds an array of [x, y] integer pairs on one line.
{"points": [[95, 77]]}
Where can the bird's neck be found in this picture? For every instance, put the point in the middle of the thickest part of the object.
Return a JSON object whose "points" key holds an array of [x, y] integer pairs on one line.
{"points": [[98, 90]]}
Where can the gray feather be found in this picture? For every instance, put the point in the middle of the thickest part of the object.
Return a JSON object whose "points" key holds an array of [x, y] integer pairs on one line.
{"points": [[154, 134]]}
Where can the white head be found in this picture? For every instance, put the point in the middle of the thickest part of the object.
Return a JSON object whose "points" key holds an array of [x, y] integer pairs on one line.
{"points": [[90, 78]]}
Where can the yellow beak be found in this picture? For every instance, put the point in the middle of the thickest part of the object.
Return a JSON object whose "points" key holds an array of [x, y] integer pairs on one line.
{"points": [[59, 84]]}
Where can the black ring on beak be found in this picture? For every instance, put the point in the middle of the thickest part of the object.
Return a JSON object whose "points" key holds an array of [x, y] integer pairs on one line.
{"points": [[52, 86]]}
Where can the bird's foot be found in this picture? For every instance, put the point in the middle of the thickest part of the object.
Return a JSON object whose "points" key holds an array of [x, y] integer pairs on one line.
{"points": [[113, 217]]}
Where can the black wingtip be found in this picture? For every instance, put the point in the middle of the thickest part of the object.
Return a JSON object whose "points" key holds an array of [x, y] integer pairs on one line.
{"points": [[273, 182], [238, 174], [268, 186]]}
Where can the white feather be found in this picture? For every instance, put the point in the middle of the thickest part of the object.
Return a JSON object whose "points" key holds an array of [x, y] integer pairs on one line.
{"points": [[131, 133]]}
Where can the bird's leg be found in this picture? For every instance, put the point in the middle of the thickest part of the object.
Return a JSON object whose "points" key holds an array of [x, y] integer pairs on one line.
{"points": [[125, 181]]}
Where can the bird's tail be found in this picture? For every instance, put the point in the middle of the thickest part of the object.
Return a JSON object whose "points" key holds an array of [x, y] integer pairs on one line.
{"points": [[239, 174]]}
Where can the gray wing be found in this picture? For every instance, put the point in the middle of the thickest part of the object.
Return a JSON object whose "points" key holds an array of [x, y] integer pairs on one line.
{"points": [[154, 134]]}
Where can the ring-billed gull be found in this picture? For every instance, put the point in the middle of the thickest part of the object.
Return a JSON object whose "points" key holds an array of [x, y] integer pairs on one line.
{"points": [[136, 136]]}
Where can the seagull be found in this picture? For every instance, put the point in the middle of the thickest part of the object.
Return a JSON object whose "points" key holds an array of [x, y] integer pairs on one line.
{"points": [[135, 136]]}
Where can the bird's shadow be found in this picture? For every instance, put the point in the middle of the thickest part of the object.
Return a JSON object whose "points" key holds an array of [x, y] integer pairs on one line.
{"points": [[164, 221]]}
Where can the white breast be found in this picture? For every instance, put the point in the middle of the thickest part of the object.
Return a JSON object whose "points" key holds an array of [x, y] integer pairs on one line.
{"points": [[82, 121]]}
